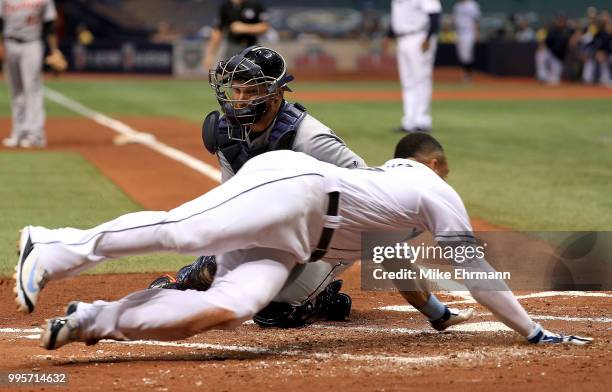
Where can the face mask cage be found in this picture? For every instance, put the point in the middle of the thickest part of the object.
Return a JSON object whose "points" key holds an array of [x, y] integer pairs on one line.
{"points": [[243, 92]]}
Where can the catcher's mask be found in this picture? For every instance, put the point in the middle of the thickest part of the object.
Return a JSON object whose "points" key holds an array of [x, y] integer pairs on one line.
{"points": [[246, 84]]}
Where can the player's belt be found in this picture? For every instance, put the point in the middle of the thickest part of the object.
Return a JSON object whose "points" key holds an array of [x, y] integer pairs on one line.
{"points": [[328, 232], [19, 40], [399, 35]]}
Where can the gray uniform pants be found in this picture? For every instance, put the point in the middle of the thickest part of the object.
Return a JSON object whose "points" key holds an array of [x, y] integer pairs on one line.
{"points": [[23, 70]]}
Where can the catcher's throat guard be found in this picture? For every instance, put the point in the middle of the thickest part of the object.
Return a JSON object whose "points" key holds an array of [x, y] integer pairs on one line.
{"points": [[245, 85], [209, 132]]}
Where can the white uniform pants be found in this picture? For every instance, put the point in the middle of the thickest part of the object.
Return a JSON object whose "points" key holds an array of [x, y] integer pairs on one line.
{"points": [[548, 67], [595, 71], [272, 241], [416, 73], [465, 47], [23, 69]]}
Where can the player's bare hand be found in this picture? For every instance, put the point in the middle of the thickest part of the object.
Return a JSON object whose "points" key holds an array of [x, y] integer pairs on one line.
{"points": [[425, 45]]}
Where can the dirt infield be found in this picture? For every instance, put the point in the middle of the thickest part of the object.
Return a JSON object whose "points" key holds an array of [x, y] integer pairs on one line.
{"points": [[377, 350]]}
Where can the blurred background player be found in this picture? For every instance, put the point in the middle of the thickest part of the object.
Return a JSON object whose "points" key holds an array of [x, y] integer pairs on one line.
{"points": [[242, 22], [466, 16], [415, 25], [598, 50], [24, 24], [552, 52]]}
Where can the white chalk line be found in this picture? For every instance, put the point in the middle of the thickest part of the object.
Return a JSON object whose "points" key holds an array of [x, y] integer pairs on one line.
{"points": [[482, 326], [134, 135], [377, 359]]}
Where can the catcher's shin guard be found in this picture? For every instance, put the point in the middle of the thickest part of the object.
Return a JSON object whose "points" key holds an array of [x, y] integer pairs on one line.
{"points": [[330, 305]]}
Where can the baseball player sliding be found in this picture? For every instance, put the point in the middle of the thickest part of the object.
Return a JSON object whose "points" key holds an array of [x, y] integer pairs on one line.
{"points": [[250, 89], [23, 24], [282, 209]]}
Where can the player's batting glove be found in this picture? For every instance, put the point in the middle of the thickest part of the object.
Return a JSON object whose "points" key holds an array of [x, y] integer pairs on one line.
{"points": [[542, 336], [56, 61]]}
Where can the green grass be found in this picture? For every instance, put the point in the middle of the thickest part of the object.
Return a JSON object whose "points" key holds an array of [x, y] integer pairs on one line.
{"points": [[530, 165], [63, 189]]}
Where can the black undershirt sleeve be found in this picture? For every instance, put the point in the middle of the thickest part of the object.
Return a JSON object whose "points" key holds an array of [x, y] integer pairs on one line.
{"points": [[434, 24], [48, 28]]}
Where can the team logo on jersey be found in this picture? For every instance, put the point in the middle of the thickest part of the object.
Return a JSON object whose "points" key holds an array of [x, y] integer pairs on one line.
{"points": [[248, 13]]}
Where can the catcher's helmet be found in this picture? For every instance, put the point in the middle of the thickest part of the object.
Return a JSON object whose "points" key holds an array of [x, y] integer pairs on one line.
{"points": [[245, 84]]}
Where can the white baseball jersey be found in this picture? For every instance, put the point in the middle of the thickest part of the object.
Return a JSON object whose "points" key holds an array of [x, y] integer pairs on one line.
{"points": [[278, 201], [465, 16], [23, 19], [410, 16]]}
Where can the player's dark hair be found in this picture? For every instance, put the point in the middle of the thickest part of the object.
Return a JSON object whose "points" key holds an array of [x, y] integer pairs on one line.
{"points": [[417, 143]]}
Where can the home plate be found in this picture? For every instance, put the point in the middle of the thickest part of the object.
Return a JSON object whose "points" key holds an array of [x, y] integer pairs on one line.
{"points": [[485, 326]]}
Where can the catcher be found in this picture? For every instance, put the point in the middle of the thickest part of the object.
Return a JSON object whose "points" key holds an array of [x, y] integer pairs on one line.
{"points": [[250, 89], [23, 25]]}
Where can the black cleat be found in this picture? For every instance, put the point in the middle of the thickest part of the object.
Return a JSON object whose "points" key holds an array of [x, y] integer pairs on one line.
{"points": [[58, 332]]}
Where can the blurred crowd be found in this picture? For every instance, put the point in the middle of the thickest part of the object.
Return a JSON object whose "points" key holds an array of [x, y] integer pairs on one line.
{"points": [[567, 48], [576, 49]]}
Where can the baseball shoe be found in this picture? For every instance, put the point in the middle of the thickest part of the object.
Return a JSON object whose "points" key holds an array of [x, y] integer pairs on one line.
{"points": [[10, 142], [543, 336], [59, 331], [165, 281], [32, 142], [452, 317], [30, 275]]}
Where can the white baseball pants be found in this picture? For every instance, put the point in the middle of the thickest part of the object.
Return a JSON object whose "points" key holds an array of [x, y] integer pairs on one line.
{"points": [[416, 73], [272, 240], [23, 68]]}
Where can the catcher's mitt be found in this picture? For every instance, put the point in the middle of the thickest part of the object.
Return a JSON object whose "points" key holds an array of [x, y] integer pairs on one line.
{"points": [[56, 61]]}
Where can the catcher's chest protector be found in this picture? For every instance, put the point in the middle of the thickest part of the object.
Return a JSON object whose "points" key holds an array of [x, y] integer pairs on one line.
{"points": [[281, 136]]}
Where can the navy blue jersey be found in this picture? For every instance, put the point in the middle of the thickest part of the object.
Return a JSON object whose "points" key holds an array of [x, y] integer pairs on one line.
{"points": [[249, 11]]}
